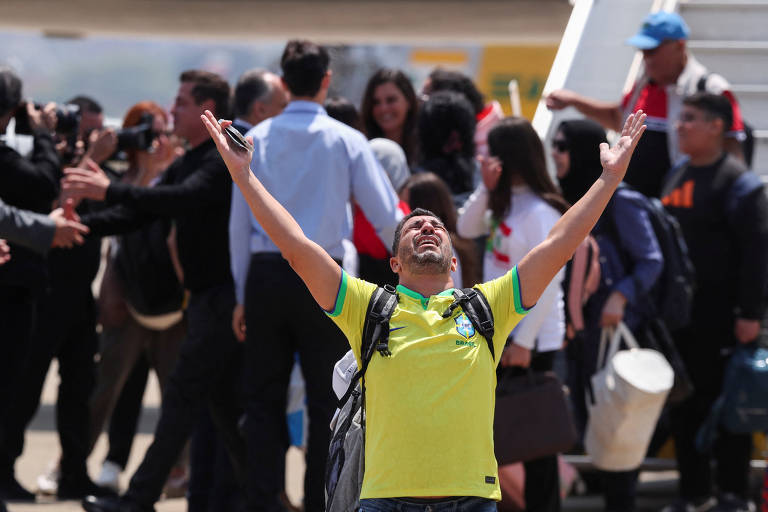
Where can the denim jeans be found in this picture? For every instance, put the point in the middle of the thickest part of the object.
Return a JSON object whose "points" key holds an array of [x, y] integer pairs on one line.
{"points": [[458, 504]]}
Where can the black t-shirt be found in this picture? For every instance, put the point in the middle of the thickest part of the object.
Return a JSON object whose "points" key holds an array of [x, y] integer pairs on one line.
{"points": [[723, 214]]}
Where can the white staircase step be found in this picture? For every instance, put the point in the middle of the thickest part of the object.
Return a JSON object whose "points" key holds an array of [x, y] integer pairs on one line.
{"points": [[735, 20], [740, 62], [753, 101]]}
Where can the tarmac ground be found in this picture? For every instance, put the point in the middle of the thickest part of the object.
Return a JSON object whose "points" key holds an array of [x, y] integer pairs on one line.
{"points": [[656, 488]]}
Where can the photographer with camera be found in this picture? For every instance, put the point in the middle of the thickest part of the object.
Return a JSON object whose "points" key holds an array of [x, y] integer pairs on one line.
{"points": [[66, 330], [30, 183]]}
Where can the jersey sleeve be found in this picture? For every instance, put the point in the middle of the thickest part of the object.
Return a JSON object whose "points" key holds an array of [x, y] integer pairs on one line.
{"points": [[349, 311], [504, 296]]}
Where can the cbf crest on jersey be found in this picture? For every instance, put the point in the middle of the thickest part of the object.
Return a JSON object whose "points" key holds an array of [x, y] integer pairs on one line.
{"points": [[464, 326]]}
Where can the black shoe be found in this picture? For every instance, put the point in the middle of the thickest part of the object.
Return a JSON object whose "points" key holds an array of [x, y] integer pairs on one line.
{"points": [[2, 507], [78, 489], [12, 490], [732, 503], [112, 504]]}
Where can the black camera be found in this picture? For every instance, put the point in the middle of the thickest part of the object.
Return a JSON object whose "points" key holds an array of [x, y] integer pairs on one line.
{"points": [[137, 137], [67, 119]]}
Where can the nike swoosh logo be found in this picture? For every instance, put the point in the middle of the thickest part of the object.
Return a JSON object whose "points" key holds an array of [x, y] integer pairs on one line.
{"points": [[396, 328]]}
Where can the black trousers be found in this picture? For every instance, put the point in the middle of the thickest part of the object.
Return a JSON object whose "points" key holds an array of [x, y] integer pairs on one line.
{"points": [[208, 371], [66, 329], [212, 483], [282, 318], [701, 347], [542, 477], [124, 421], [619, 487], [17, 316]]}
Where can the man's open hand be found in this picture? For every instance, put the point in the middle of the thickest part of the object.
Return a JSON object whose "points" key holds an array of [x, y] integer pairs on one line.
{"points": [[615, 160], [87, 182], [238, 160]]}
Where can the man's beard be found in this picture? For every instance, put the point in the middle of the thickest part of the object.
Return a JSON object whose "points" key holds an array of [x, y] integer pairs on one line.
{"points": [[430, 262]]}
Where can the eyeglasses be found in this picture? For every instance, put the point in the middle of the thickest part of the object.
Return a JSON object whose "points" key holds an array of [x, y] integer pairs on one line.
{"points": [[560, 145]]}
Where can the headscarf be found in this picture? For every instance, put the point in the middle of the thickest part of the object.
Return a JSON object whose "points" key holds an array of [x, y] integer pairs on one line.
{"points": [[583, 137]]}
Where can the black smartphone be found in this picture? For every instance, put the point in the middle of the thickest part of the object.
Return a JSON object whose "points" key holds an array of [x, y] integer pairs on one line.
{"points": [[234, 135]]}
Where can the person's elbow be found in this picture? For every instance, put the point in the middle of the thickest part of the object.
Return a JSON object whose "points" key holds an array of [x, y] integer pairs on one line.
{"points": [[654, 266]]}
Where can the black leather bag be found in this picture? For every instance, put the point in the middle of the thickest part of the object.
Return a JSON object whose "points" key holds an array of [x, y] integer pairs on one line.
{"points": [[532, 418]]}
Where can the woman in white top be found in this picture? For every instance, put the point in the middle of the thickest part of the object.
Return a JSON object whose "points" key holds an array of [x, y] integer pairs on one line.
{"points": [[516, 205]]}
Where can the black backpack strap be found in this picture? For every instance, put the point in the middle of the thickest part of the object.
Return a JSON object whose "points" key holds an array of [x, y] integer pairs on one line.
{"points": [[375, 332], [476, 307], [701, 84]]}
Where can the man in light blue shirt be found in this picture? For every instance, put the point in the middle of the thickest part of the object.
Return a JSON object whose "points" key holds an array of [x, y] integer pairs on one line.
{"points": [[314, 166]]}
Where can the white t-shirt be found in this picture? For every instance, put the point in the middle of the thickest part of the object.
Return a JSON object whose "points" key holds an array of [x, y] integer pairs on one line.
{"points": [[529, 221]]}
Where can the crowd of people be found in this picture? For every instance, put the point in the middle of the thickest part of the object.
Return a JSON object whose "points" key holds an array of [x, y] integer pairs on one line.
{"points": [[222, 289]]}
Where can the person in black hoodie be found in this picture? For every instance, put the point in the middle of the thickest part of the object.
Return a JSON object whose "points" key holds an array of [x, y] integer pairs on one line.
{"points": [[33, 184], [723, 214], [68, 333], [630, 263]]}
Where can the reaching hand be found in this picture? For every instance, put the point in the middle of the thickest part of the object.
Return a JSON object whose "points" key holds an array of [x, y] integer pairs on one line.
{"points": [[69, 231], [559, 99], [5, 251], [616, 159], [613, 310], [88, 183], [238, 322], [490, 169], [101, 145], [516, 355], [42, 119], [238, 161]]}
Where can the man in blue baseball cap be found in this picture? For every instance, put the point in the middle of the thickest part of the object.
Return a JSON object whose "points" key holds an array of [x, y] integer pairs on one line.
{"points": [[657, 28], [670, 73]]}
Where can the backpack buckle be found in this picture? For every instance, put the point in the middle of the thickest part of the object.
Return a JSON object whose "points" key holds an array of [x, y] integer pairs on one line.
{"points": [[383, 349]]}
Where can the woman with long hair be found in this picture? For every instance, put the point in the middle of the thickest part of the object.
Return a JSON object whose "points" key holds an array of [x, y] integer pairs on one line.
{"points": [[389, 110], [630, 263], [427, 190], [517, 204]]}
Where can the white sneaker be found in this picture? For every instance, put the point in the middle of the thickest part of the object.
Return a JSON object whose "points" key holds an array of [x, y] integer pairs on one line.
{"points": [[109, 476], [48, 482]]}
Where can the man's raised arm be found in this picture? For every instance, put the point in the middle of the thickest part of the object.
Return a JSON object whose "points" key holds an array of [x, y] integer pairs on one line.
{"points": [[310, 261], [541, 264]]}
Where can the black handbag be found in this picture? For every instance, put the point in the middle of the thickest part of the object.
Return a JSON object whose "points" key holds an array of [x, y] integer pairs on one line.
{"points": [[532, 418]]}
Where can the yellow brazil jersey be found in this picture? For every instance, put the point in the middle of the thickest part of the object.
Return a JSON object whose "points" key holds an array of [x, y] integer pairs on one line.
{"points": [[429, 407]]}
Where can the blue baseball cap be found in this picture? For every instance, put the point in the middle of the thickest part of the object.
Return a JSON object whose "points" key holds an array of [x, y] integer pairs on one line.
{"points": [[658, 27]]}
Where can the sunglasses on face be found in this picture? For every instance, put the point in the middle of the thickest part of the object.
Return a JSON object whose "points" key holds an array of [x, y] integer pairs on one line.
{"points": [[560, 145]]}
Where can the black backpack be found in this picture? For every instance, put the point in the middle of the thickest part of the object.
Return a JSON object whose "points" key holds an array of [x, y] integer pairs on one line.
{"points": [[671, 297], [344, 468]]}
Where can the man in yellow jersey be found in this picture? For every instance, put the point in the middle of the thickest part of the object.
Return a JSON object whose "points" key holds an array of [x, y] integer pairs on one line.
{"points": [[429, 406]]}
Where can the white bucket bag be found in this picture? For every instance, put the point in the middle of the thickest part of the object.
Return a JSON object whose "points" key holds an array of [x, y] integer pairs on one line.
{"points": [[628, 393]]}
